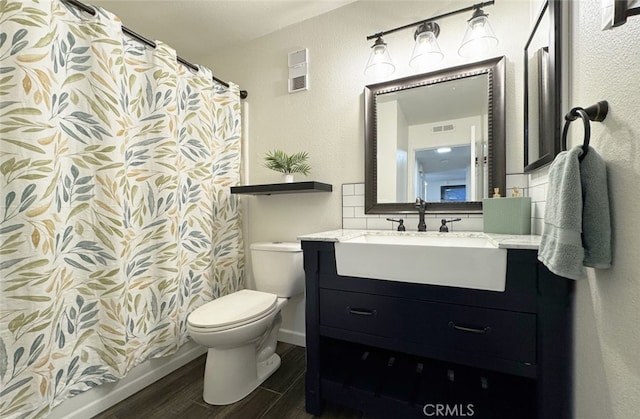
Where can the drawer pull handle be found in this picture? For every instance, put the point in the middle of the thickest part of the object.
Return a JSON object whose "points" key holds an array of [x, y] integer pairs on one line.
{"points": [[361, 311], [484, 330]]}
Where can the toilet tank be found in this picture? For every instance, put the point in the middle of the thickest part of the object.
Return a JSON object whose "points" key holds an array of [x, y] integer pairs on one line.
{"points": [[277, 268]]}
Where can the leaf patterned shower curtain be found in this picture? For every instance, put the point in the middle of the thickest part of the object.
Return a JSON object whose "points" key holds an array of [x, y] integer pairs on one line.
{"points": [[115, 214]]}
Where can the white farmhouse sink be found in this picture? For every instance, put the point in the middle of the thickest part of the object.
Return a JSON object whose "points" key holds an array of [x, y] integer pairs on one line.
{"points": [[464, 260]]}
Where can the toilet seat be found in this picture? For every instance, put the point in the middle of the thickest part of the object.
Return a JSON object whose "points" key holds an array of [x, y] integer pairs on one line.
{"points": [[233, 310]]}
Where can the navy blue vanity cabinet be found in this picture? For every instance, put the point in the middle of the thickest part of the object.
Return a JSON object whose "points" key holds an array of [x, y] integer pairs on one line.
{"points": [[395, 349]]}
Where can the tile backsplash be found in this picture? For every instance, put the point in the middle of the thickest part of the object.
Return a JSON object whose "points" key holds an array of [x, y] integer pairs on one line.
{"points": [[538, 192], [353, 216]]}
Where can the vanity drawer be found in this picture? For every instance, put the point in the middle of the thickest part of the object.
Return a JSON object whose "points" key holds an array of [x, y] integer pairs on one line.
{"points": [[440, 326]]}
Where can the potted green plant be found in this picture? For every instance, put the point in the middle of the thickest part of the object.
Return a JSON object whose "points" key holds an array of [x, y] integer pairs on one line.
{"points": [[286, 164]]}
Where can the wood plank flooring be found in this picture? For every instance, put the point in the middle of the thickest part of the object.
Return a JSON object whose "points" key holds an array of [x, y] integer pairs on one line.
{"points": [[179, 396]]}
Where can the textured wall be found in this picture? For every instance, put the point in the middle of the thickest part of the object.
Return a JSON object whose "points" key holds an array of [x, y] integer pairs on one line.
{"points": [[606, 65]]}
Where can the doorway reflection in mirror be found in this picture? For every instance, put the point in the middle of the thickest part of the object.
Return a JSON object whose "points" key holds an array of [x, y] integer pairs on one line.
{"points": [[433, 136], [455, 175]]}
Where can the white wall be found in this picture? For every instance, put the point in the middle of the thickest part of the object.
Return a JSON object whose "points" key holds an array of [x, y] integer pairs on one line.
{"points": [[327, 120], [606, 65]]}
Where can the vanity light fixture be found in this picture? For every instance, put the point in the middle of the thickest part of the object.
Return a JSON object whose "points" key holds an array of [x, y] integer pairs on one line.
{"points": [[478, 39], [442, 150], [379, 64], [479, 36], [426, 51]]}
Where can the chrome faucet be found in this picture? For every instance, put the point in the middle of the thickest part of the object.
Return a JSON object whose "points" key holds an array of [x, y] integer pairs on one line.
{"points": [[421, 206]]}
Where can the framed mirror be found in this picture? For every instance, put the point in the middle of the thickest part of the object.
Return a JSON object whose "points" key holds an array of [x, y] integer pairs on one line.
{"points": [[437, 136], [542, 88]]}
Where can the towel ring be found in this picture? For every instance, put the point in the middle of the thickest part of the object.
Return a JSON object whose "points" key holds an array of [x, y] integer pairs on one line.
{"points": [[597, 112], [572, 116]]}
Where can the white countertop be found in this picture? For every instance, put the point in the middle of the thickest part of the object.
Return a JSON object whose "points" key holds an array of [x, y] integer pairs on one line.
{"points": [[503, 241]]}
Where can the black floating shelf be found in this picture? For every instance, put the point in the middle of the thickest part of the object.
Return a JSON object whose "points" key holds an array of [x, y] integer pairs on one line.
{"points": [[279, 188]]}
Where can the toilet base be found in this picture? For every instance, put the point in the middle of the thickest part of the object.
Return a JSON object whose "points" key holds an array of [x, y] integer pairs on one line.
{"points": [[236, 374], [268, 367]]}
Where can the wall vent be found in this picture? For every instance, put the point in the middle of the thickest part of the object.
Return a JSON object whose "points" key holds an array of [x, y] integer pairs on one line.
{"points": [[298, 70], [438, 129], [298, 83]]}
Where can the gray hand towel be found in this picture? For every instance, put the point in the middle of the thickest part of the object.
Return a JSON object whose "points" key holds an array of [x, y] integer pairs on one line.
{"points": [[596, 220], [577, 229], [561, 243]]}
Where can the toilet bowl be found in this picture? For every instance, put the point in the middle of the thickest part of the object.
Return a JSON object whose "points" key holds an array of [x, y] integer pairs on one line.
{"points": [[240, 329]]}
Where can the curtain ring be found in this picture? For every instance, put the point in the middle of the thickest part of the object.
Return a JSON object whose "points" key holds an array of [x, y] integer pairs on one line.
{"points": [[572, 116]]}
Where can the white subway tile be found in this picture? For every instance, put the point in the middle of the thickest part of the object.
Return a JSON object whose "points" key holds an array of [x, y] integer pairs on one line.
{"points": [[535, 191], [380, 224], [359, 189], [348, 189], [518, 180], [449, 216], [542, 207], [537, 210], [354, 223], [348, 212], [353, 201], [467, 224], [537, 226], [539, 177], [359, 212], [539, 193]]}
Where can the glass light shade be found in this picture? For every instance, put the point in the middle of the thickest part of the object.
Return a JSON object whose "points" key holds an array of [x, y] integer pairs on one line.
{"points": [[379, 64], [426, 51], [479, 37]]}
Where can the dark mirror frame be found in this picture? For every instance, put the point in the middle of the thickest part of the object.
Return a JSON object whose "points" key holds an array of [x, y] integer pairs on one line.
{"points": [[495, 70], [551, 99]]}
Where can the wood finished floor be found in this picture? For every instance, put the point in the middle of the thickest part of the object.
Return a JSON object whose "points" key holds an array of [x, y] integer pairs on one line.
{"points": [[179, 395]]}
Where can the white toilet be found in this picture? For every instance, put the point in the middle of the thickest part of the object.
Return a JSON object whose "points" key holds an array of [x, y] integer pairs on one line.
{"points": [[241, 329]]}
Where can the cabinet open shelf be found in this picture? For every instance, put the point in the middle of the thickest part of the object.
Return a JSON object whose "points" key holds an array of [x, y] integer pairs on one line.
{"points": [[395, 384], [280, 188]]}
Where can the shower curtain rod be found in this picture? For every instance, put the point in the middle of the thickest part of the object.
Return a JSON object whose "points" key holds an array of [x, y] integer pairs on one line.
{"points": [[91, 11]]}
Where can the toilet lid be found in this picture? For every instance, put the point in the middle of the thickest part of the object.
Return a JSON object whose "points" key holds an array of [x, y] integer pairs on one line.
{"points": [[240, 307]]}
